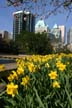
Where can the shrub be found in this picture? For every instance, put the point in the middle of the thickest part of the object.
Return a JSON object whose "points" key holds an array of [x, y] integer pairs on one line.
{"points": [[8, 47], [31, 43]]}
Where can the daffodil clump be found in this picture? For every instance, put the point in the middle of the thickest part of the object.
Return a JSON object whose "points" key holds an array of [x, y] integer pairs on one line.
{"points": [[41, 82]]}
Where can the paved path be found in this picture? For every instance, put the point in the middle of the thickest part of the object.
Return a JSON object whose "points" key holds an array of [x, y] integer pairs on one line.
{"points": [[8, 68], [13, 56]]}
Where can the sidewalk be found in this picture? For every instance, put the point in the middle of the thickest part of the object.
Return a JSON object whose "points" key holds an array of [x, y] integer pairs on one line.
{"points": [[13, 56], [8, 68]]}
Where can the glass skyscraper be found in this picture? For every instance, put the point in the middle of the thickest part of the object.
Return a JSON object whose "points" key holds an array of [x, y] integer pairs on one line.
{"points": [[23, 21]]}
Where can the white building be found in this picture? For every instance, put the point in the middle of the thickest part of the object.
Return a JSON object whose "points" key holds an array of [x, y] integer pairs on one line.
{"points": [[41, 27]]}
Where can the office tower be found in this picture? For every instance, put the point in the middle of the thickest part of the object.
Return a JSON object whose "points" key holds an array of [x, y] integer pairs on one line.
{"points": [[57, 33], [23, 21], [69, 36], [63, 33]]}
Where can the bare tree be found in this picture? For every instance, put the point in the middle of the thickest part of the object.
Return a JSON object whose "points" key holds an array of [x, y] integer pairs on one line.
{"points": [[43, 8]]}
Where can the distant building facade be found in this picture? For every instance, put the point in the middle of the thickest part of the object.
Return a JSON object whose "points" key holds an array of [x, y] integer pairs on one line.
{"points": [[69, 36], [63, 32], [41, 27], [5, 35], [57, 33], [55, 37], [1, 34], [23, 20]]}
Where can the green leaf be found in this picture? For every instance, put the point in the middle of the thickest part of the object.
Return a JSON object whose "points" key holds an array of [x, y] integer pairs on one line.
{"points": [[7, 106], [11, 101], [69, 98], [38, 98], [2, 93]]}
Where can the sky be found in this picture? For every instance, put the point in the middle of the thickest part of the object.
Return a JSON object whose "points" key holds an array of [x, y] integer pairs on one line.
{"points": [[6, 18]]}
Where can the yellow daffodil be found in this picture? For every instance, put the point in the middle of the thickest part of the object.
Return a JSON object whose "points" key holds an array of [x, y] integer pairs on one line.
{"points": [[60, 66], [15, 76], [25, 80], [12, 76], [56, 84], [2, 67], [53, 75], [47, 65], [31, 67], [20, 70], [12, 89]]}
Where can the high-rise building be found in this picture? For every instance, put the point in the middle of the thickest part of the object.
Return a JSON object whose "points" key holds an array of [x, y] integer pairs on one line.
{"points": [[63, 32], [23, 21], [57, 33], [69, 36]]}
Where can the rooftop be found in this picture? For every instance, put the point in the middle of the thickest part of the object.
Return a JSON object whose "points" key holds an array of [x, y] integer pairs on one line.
{"points": [[40, 24], [26, 12]]}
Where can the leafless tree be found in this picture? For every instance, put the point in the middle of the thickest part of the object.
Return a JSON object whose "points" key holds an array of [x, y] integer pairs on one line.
{"points": [[43, 8]]}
